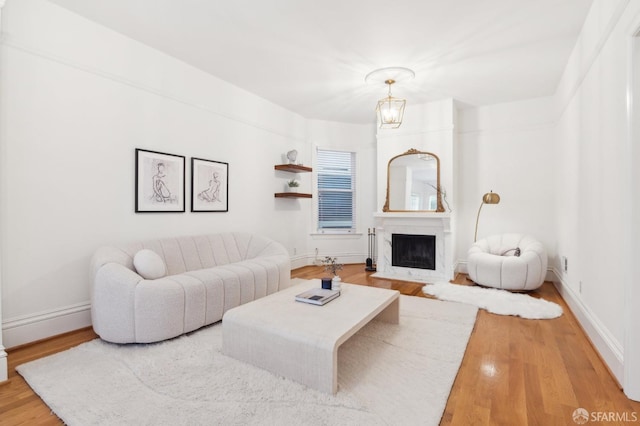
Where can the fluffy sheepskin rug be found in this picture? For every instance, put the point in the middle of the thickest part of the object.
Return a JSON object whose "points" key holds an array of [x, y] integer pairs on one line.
{"points": [[497, 301]]}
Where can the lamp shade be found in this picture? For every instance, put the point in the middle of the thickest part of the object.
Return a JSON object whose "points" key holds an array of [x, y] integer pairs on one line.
{"points": [[491, 198], [390, 112]]}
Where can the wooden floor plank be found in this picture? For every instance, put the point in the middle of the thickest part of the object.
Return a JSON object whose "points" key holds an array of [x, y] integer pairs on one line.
{"points": [[514, 372]]}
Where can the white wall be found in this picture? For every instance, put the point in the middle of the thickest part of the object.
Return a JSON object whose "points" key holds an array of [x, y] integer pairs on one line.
{"points": [[4, 373], [508, 149], [632, 294], [77, 100], [593, 187]]}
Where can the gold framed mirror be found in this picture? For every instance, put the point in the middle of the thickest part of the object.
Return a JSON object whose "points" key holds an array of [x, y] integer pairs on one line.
{"points": [[413, 183]]}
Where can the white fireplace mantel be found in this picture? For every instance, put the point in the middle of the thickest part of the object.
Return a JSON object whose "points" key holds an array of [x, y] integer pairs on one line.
{"points": [[411, 217], [416, 223]]}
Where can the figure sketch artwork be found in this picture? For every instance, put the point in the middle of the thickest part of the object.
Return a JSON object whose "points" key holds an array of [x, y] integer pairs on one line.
{"points": [[159, 182], [209, 186]]}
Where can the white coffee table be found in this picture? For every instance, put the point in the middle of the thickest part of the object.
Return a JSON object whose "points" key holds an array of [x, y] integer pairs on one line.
{"points": [[298, 340]]}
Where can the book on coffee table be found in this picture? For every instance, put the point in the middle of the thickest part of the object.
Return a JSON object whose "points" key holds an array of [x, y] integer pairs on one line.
{"points": [[317, 296]]}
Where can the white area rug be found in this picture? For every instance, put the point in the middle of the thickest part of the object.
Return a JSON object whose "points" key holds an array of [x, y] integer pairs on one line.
{"points": [[497, 301], [388, 375]]}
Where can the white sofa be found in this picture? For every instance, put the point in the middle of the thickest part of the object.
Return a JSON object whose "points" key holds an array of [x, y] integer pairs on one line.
{"points": [[493, 262], [181, 284]]}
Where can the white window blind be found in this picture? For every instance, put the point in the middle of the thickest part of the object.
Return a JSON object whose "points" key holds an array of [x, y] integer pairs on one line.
{"points": [[336, 190]]}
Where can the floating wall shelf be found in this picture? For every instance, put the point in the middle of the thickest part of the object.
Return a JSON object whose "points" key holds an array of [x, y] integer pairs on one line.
{"points": [[292, 195], [292, 168]]}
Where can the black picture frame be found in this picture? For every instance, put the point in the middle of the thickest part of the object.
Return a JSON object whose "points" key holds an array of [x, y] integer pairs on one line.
{"points": [[159, 182], [209, 185]]}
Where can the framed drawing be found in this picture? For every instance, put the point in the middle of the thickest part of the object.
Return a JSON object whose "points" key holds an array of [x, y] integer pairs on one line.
{"points": [[159, 182], [209, 186]]}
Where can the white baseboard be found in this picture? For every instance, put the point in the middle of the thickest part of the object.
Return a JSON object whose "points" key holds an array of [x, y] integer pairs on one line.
{"points": [[461, 268], [310, 259], [604, 342], [300, 261], [18, 331]]}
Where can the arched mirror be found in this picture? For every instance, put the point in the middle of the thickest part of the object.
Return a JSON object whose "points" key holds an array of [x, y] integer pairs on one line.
{"points": [[413, 183]]}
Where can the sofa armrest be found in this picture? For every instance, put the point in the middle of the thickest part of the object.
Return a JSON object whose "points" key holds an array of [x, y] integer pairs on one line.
{"points": [[113, 302]]}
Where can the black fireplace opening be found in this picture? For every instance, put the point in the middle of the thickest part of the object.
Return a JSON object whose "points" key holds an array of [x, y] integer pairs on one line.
{"points": [[413, 251]]}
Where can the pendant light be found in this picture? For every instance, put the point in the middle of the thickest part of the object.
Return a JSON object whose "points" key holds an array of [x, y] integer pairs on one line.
{"points": [[390, 110]]}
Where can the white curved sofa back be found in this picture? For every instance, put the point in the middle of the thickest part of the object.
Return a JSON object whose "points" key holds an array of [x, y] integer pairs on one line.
{"points": [[207, 275], [184, 254]]}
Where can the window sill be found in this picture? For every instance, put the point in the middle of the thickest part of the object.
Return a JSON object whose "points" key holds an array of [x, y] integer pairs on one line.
{"points": [[329, 234]]}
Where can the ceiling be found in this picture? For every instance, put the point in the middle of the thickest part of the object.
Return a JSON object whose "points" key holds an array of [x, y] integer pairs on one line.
{"points": [[311, 57]]}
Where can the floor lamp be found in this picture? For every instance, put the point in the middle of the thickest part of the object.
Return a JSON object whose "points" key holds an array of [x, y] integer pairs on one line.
{"points": [[488, 198]]}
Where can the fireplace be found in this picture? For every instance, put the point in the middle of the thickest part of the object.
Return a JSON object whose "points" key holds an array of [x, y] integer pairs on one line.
{"points": [[413, 251], [428, 241]]}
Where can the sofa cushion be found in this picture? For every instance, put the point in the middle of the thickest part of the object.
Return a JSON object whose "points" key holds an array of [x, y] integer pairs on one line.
{"points": [[149, 264]]}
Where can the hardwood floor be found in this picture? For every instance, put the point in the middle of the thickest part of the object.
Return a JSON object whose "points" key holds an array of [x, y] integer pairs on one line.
{"points": [[19, 405], [514, 372]]}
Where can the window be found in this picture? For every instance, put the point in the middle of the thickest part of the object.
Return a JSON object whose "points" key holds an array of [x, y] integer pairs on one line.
{"points": [[336, 191]]}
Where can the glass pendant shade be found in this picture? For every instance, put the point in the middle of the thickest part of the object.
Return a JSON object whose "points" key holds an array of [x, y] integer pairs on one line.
{"points": [[390, 110]]}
